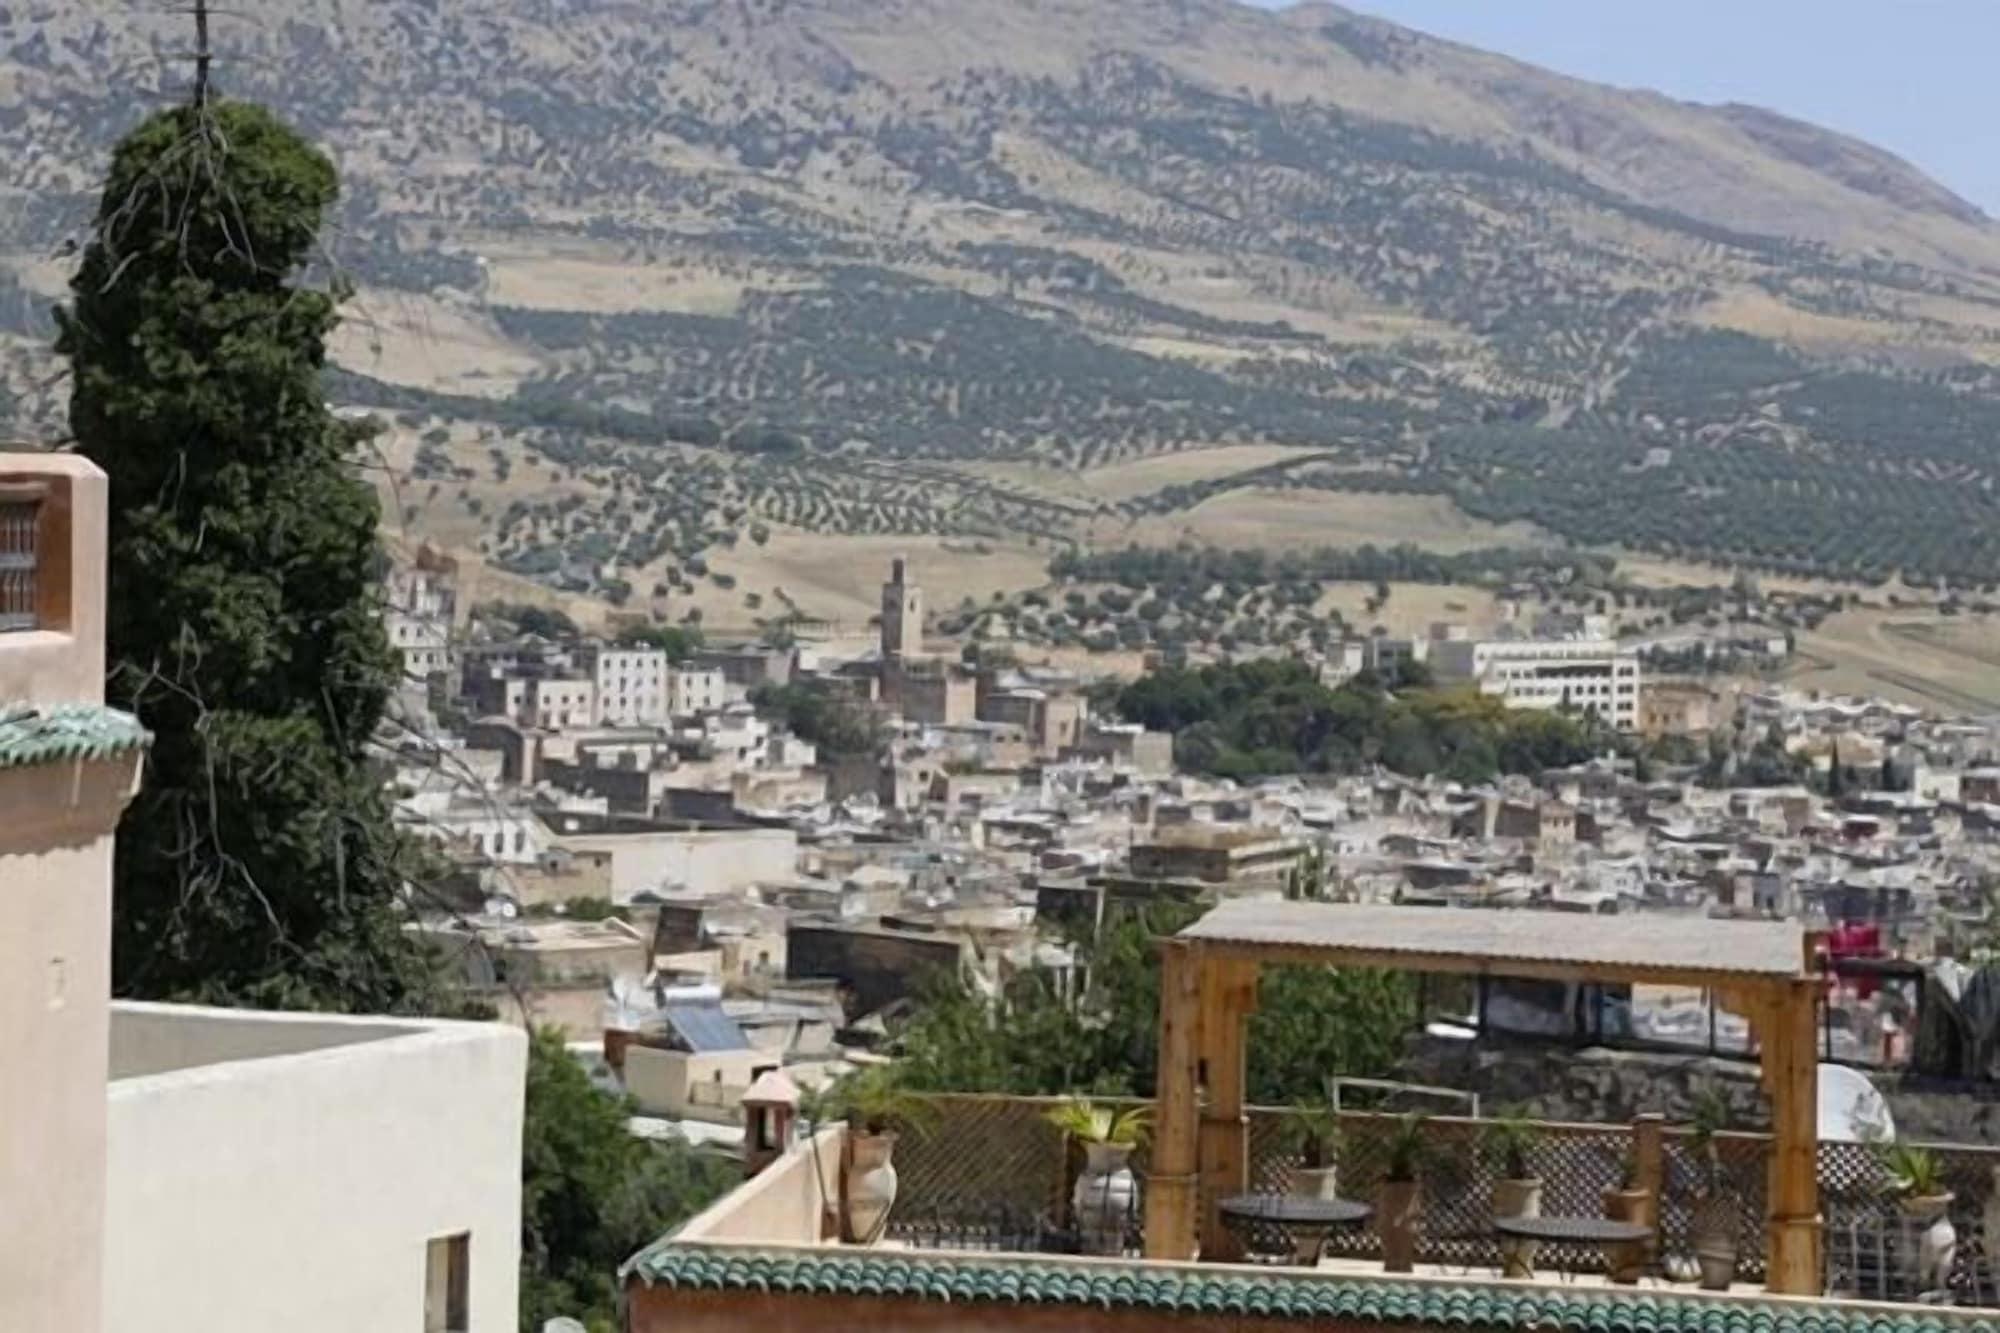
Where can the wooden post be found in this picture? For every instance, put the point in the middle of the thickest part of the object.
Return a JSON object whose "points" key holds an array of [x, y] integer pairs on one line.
{"points": [[1228, 994], [1171, 1213], [1791, 1078], [1648, 1155]]}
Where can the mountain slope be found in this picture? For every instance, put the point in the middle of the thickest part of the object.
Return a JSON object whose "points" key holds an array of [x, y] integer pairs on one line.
{"points": [[1075, 231]]}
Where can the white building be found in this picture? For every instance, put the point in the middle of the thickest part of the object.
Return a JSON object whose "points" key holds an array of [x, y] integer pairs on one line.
{"points": [[1580, 674], [420, 602], [311, 1172], [738, 735], [692, 691], [556, 704], [631, 685]]}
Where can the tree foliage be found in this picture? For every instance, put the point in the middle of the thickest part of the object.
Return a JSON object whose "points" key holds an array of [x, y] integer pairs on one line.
{"points": [[678, 642], [591, 1194], [1310, 1022], [1251, 719], [258, 863], [836, 725]]}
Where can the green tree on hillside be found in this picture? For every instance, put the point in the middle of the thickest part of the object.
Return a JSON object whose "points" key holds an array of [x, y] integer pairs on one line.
{"points": [[258, 863]]}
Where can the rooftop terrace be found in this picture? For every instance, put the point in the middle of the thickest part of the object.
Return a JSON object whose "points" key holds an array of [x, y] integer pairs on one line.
{"points": [[983, 1220]]}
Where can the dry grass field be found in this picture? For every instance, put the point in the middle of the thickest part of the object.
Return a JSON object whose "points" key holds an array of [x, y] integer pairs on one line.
{"points": [[1279, 519], [1951, 664], [426, 343], [840, 579]]}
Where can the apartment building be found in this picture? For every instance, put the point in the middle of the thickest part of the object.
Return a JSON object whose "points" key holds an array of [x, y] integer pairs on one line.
{"points": [[420, 602], [694, 690], [631, 685], [1578, 674]]}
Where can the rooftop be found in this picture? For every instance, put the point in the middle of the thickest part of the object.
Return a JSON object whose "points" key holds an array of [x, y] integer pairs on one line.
{"points": [[1197, 1289], [980, 1220]]}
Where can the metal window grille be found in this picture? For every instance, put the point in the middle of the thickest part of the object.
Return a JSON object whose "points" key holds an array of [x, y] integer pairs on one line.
{"points": [[20, 525]]}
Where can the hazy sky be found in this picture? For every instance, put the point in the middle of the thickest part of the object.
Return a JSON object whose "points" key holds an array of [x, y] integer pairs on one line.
{"points": [[1917, 77]]}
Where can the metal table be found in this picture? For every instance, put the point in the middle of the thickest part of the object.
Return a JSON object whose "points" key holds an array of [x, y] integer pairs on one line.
{"points": [[1304, 1219], [1575, 1231]]}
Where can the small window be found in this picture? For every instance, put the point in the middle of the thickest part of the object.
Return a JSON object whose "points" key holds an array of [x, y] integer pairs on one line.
{"points": [[448, 1283], [20, 548]]}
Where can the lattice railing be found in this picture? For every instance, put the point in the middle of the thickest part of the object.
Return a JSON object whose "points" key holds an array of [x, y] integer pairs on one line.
{"points": [[994, 1167]]}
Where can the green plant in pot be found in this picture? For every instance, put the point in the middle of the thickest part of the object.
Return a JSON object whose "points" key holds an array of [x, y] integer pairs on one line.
{"points": [[1627, 1201], [1917, 1178], [1716, 1206], [1405, 1150], [1105, 1192], [1315, 1130], [877, 1105], [1517, 1190]]}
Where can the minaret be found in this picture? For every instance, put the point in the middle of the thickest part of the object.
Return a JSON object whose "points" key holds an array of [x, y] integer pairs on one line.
{"points": [[902, 615]]}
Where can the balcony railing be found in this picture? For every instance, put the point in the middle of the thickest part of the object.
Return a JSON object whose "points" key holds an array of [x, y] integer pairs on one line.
{"points": [[20, 551], [993, 1173]]}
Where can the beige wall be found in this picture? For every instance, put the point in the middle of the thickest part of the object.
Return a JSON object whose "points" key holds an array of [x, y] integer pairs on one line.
{"points": [[784, 1204], [706, 861], [55, 972], [55, 934], [701, 1086], [296, 1192]]}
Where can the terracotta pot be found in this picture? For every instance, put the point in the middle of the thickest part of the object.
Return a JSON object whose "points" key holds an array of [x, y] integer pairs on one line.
{"points": [[870, 1185], [1625, 1262], [1715, 1226], [1517, 1198], [1102, 1200], [1399, 1213]]}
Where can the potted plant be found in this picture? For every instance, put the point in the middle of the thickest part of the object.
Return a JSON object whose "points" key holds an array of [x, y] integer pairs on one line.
{"points": [[1517, 1192], [1399, 1199], [1916, 1176], [1103, 1197], [1316, 1130], [1716, 1207], [877, 1105], [1625, 1262]]}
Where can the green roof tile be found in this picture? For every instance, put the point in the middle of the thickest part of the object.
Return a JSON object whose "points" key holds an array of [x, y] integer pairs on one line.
{"points": [[55, 733], [1045, 1281]]}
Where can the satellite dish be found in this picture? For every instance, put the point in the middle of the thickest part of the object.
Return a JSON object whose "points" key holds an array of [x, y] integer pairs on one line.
{"points": [[1851, 1110]]}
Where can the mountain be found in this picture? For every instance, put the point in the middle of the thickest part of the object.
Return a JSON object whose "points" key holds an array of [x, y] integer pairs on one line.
{"points": [[784, 241]]}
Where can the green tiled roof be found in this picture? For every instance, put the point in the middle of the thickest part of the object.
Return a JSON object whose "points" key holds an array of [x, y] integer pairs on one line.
{"points": [[1167, 1290], [57, 732]]}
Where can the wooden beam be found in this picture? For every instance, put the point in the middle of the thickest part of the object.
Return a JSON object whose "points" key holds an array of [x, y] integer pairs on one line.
{"points": [[1649, 1157], [1790, 1064], [1228, 995], [1475, 965], [1171, 1212]]}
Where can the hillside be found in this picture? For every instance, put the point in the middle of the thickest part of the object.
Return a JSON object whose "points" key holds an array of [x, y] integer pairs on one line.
{"points": [[638, 280]]}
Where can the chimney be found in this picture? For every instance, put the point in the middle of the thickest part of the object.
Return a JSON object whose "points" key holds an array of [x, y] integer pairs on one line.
{"points": [[770, 1105]]}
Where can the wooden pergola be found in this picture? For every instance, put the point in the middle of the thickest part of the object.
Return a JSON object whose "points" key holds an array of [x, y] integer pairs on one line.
{"points": [[1208, 988]]}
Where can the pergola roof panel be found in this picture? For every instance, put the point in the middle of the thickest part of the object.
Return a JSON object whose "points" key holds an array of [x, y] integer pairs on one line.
{"points": [[1507, 942]]}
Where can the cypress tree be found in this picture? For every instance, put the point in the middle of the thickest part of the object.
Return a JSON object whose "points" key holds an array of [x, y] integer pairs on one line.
{"points": [[258, 864]]}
